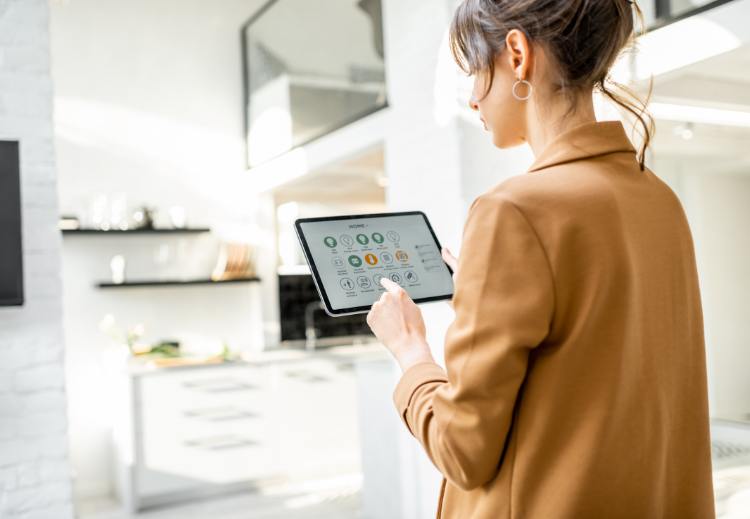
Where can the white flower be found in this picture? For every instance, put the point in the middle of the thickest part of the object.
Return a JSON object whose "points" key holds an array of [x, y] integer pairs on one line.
{"points": [[107, 323]]}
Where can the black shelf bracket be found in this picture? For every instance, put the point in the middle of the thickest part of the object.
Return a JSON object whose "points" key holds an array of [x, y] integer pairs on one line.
{"points": [[176, 282]]}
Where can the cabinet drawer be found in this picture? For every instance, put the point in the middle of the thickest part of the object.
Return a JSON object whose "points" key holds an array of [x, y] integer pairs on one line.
{"points": [[174, 427], [212, 459], [204, 388], [216, 412]]}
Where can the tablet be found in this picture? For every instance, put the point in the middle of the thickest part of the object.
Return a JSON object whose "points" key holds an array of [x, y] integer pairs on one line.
{"points": [[348, 255]]}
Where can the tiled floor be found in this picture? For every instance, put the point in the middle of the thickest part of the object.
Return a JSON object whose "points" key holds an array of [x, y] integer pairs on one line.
{"points": [[732, 486], [732, 490], [341, 498], [322, 500], [731, 455]]}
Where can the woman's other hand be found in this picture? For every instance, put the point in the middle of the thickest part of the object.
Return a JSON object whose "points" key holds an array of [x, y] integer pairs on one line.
{"points": [[397, 322], [452, 262]]}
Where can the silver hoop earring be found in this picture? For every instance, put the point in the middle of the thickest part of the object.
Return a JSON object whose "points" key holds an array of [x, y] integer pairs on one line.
{"points": [[521, 82]]}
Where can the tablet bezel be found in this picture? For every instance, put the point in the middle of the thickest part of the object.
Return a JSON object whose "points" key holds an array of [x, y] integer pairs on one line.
{"points": [[314, 270]]}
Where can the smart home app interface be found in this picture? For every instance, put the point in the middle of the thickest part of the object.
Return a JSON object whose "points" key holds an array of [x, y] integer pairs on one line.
{"points": [[353, 255]]}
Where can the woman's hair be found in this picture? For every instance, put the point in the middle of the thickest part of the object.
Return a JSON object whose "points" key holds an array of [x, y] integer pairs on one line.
{"points": [[582, 37]]}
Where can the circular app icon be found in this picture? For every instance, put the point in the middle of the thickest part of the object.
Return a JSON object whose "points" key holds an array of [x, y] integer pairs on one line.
{"points": [[387, 257], [402, 256], [347, 284], [346, 240], [377, 237], [371, 259], [411, 276], [393, 235], [363, 239], [395, 277], [364, 282], [355, 261], [330, 241], [337, 262], [376, 278]]}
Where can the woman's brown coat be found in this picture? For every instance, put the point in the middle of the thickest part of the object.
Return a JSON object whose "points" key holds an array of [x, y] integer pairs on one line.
{"points": [[575, 380]]}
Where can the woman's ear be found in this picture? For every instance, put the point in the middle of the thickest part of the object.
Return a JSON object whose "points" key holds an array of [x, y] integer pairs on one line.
{"points": [[518, 53]]}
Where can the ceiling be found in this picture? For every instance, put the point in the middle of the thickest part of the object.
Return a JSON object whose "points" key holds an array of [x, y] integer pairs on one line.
{"points": [[356, 179], [721, 82]]}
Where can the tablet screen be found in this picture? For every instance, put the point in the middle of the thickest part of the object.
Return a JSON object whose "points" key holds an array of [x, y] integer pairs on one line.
{"points": [[351, 254]]}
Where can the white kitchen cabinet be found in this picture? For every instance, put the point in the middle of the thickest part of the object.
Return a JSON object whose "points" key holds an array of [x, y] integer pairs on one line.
{"points": [[185, 433], [212, 425], [317, 407]]}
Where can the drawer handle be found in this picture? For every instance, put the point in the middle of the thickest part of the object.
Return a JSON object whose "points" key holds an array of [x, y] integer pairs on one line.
{"points": [[305, 375], [216, 443], [219, 385], [220, 414], [297, 373]]}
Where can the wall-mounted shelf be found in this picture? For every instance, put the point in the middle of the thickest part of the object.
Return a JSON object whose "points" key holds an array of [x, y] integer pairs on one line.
{"points": [[119, 232], [175, 282]]}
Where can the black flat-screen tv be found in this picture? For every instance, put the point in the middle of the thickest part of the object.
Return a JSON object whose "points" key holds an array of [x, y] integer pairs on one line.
{"points": [[11, 252]]}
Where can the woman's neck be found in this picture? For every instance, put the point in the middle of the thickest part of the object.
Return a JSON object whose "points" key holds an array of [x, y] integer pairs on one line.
{"points": [[545, 124]]}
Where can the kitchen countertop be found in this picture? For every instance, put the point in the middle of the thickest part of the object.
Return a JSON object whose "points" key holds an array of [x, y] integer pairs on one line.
{"points": [[368, 351]]}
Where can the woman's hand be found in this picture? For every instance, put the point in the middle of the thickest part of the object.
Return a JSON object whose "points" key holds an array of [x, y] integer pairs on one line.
{"points": [[397, 322], [452, 262]]}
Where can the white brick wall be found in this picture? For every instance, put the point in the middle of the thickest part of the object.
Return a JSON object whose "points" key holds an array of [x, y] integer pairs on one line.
{"points": [[34, 467]]}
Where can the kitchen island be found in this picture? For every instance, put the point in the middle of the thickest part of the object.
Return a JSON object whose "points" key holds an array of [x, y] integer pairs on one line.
{"points": [[272, 418]]}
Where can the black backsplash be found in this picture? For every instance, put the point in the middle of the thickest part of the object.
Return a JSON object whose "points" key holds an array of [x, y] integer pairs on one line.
{"points": [[295, 292]]}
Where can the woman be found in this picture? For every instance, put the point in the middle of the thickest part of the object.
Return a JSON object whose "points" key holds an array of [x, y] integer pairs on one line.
{"points": [[575, 379]]}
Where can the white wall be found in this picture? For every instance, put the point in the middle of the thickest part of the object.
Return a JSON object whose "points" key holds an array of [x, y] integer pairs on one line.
{"points": [[148, 103], [724, 260], [34, 468], [437, 162], [716, 202]]}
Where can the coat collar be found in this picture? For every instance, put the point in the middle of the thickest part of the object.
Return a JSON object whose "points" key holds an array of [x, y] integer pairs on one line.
{"points": [[583, 141]]}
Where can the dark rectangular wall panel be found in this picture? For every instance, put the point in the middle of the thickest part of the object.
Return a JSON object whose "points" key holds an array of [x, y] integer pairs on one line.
{"points": [[11, 251]]}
